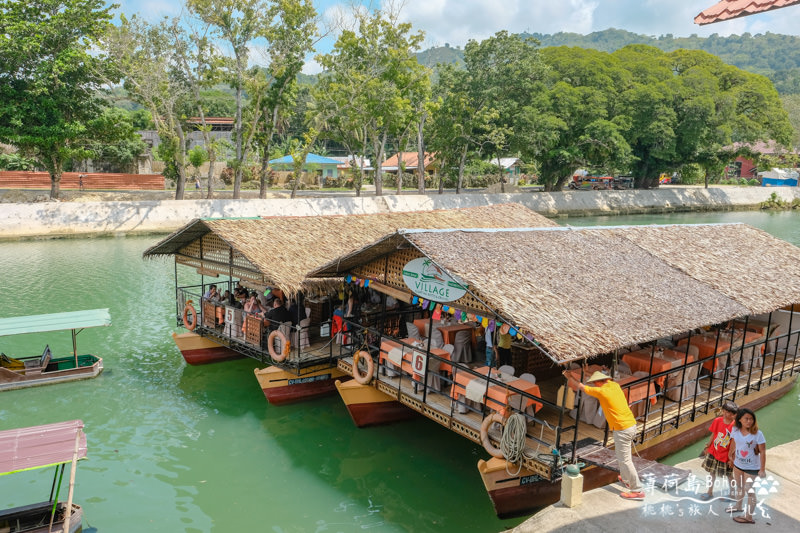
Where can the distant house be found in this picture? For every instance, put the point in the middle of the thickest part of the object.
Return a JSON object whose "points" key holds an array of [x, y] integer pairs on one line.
{"points": [[743, 166], [221, 128], [411, 160], [314, 163], [347, 162], [512, 166]]}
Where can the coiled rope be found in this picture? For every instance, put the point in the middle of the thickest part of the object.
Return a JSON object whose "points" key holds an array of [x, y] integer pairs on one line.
{"points": [[512, 442]]}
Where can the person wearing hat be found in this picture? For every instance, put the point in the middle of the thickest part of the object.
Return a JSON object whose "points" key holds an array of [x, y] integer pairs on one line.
{"points": [[620, 421]]}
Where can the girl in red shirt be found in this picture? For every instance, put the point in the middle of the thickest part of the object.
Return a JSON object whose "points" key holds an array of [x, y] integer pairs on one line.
{"points": [[716, 462]]}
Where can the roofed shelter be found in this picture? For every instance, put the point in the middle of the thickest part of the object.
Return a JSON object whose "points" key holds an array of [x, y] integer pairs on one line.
{"points": [[314, 163], [582, 292]]}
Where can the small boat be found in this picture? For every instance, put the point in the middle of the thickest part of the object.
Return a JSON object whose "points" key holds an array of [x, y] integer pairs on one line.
{"points": [[42, 447], [44, 369], [198, 350]]}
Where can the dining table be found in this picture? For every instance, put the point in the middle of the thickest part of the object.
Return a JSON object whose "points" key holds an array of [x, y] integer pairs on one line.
{"points": [[449, 333], [708, 345], [499, 398], [411, 359], [662, 361]]}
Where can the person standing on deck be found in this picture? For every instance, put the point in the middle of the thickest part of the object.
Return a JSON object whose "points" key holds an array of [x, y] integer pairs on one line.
{"points": [[620, 420]]}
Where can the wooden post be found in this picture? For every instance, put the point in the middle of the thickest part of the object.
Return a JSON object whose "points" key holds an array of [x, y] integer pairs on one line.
{"points": [[73, 468]]}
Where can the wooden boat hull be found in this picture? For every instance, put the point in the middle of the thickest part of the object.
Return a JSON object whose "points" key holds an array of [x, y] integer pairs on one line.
{"points": [[11, 379], [524, 493], [199, 350], [284, 386], [370, 407], [35, 518]]}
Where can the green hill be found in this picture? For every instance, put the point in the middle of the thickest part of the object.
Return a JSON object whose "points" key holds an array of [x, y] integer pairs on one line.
{"points": [[773, 55]]}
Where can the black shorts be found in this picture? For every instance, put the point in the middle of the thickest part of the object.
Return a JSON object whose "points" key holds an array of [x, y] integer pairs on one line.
{"points": [[749, 472]]}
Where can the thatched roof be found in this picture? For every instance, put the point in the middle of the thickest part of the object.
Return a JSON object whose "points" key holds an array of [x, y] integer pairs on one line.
{"points": [[586, 291], [285, 249]]}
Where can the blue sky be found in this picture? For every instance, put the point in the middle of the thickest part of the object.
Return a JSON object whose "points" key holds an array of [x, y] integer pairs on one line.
{"points": [[457, 21]]}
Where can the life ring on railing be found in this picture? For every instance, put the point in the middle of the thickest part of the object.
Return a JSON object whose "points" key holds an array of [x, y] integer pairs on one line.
{"points": [[193, 324], [487, 444], [365, 378], [271, 346]]}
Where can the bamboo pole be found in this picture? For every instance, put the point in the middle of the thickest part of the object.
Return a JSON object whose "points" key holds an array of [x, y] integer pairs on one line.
{"points": [[73, 468]]}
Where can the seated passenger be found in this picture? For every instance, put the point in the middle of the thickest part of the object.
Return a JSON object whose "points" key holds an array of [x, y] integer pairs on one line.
{"points": [[211, 293], [278, 314]]}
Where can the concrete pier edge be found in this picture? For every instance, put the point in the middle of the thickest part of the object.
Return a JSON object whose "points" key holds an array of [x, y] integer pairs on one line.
{"points": [[75, 219], [603, 510]]}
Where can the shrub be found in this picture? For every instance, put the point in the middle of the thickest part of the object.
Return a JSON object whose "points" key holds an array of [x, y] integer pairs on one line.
{"points": [[753, 182]]}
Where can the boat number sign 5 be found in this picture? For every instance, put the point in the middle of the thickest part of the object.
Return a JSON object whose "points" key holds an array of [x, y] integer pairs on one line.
{"points": [[428, 281]]}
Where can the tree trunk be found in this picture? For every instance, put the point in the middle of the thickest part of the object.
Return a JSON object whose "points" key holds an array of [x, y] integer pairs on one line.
{"points": [[264, 172], [379, 169], [55, 184], [237, 130], [421, 156], [461, 164], [180, 160], [212, 160]]}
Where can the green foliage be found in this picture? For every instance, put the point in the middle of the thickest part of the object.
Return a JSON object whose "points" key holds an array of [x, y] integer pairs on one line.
{"points": [[116, 144], [692, 173], [50, 79], [197, 156], [753, 182], [16, 161]]}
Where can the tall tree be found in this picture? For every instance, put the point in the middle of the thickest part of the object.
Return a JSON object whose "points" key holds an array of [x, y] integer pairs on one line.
{"points": [[147, 57], [49, 79], [291, 36], [238, 23], [377, 58]]}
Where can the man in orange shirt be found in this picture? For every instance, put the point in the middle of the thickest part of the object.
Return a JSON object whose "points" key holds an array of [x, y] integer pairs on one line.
{"points": [[620, 420]]}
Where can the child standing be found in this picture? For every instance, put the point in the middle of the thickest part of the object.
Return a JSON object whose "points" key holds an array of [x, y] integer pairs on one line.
{"points": [[716, 462], [748, 452]]}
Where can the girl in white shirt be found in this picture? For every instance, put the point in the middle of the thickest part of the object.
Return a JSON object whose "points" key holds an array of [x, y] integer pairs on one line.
{"points": [[748, 453]]}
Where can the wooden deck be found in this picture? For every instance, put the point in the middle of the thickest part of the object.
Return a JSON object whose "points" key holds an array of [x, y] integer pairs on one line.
{"points": [[663, 416]]}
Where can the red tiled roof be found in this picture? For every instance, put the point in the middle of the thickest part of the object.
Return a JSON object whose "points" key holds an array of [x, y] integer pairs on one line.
{"points": [[410, 159], [731, 9]]}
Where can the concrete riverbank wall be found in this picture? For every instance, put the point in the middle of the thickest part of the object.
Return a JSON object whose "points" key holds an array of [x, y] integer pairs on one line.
{"points": [[69, 219]]}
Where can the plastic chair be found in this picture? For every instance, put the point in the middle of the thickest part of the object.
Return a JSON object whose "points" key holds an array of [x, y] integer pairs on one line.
{"points": [[303, 340], [507, 369], [462, 347], [528, 377], [448, 348]]}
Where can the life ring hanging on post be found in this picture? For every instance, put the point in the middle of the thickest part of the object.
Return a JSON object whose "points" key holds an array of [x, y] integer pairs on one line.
{"points": [[284, 346], [487, 444], [186, 310], [365, 378]]}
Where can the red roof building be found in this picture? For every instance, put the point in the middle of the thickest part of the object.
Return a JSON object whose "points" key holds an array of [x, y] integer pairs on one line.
{"points": [[731, 9]]}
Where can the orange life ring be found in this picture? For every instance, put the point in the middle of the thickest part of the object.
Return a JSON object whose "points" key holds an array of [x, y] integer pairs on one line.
{"points": [[271, 346], [193, 324], [365, 378], [487, 444]]}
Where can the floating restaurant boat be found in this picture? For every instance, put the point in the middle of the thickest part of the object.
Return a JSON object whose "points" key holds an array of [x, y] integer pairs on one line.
{"points": [[18, 373], [655, 306], [42, 447], [272, 255]]}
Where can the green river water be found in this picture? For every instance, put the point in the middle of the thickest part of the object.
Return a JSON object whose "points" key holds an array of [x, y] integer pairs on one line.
{"points": [[179, 448]]}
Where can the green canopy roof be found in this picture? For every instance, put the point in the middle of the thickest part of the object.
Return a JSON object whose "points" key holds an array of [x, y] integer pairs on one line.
{"points": [[89, 318]]}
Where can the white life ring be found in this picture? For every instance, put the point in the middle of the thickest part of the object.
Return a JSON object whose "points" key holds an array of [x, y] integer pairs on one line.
{"points": [[365, 378], [487, 444], [271, 346]]}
